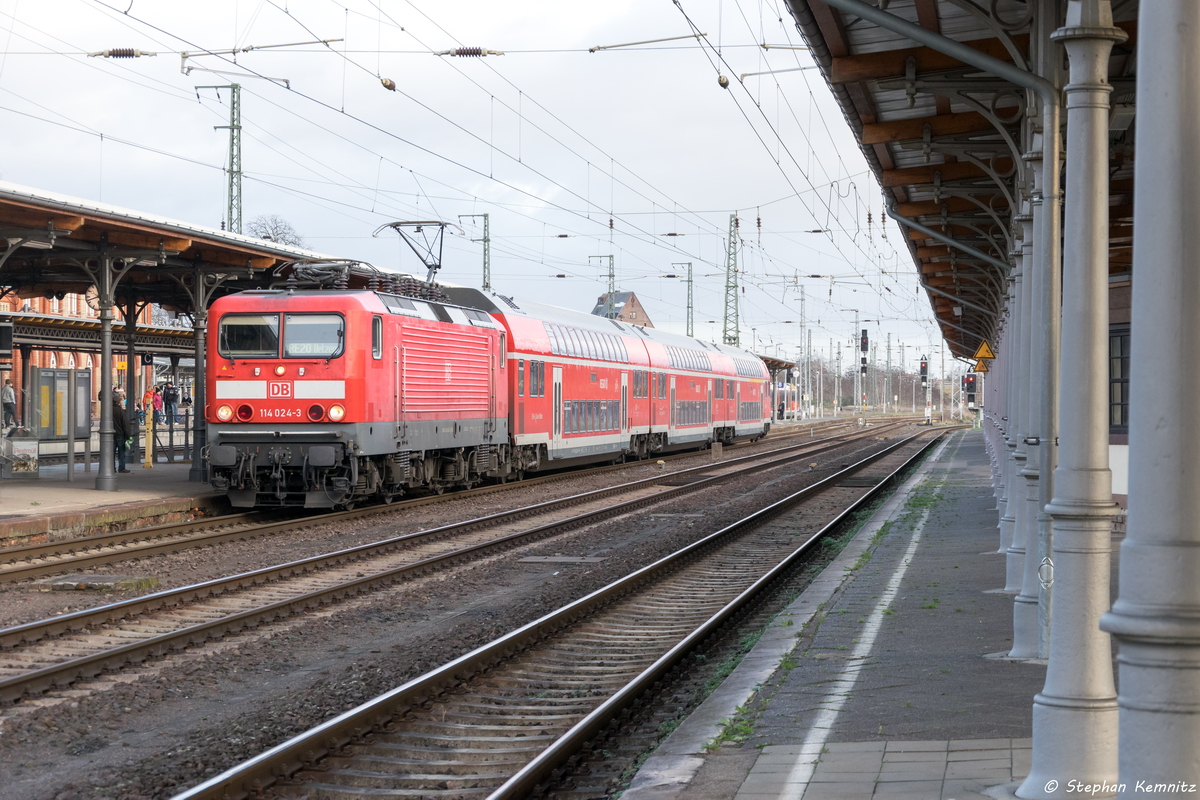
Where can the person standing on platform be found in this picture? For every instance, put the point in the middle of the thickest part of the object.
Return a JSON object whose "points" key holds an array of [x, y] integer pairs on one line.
{"points": [[157, 400], [8, 397], [148, 401], [120, 429], [170, 398]]}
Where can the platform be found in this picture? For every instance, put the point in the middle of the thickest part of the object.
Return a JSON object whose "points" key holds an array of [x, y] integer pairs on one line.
{"points": [[886, 677], [50, 507]]}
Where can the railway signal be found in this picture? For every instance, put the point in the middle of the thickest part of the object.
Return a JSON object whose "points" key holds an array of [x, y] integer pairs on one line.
{"points": [[928, 390]]}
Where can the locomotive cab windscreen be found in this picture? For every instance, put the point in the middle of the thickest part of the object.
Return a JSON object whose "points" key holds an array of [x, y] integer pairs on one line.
{"points": [[313, 335], [304, 335], [249, 336]]}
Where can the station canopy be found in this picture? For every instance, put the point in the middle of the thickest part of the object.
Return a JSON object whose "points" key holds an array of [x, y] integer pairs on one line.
{"points": [[946, 141], [53, 245]]}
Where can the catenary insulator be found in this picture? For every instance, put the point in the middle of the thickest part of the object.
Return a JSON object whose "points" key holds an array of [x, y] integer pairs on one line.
{"points": [[121, 52]]}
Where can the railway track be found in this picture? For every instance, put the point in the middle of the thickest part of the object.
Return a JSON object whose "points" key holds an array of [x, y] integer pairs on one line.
{"points": [[502, 720], [56, 653], [55, 558]]}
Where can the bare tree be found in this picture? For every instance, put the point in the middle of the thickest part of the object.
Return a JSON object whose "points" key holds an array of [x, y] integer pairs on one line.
{"points": [[275, 229]]}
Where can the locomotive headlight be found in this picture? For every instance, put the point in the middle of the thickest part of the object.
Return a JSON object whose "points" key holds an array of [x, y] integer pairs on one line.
{"points": [[245, 412], [337, 413], [225, 413], [280, 369]]}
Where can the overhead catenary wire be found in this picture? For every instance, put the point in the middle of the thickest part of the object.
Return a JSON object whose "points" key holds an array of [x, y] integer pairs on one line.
{"points": [[619, 178]]}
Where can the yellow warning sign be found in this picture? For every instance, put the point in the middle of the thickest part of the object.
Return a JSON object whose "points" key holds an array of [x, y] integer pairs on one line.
{"points": [[981, 366], [984, 351]]}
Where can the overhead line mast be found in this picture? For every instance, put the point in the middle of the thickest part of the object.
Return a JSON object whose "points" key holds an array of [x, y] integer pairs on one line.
{"points": [[233, 214], [610, 299], [732, 332], [487, 249], [688, 264]]}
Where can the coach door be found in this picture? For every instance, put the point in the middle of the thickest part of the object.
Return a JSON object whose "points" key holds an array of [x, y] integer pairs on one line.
{"points": [[673, 423], [709, 408], [624, 402], [653, 400], [558, 404]]}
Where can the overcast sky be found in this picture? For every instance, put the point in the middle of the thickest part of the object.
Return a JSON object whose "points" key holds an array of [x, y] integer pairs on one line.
{"points": [[550, 140]]}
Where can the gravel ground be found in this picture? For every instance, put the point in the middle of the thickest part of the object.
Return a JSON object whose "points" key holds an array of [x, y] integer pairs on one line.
{"points": [[193, 717], [23, 602]]}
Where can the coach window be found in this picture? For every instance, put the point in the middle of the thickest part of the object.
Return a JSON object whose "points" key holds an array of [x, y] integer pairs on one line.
{"points": [[520, 377], [248, 336], [376, 337]]}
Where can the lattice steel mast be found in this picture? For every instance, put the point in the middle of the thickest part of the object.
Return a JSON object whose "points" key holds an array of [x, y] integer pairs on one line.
{"points": [[233, 213], [487, 249], [732, 330]]}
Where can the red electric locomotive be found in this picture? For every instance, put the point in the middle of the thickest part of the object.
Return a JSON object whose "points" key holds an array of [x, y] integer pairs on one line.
{"points": [[325, 398]]}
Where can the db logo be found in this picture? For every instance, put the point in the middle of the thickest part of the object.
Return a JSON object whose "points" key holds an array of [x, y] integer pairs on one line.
{"points": [[279, 389]]}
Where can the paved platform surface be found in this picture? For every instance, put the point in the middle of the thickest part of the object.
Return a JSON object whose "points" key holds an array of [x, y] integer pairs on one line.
{"points": [[882, 679], [51, 505]]}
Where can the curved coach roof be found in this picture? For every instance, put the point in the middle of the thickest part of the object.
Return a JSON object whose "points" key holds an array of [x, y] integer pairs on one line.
{"points": [[499, 304]]}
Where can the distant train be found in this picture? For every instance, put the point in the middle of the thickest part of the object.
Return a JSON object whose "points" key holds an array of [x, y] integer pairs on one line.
{"points": [[327, 398]]}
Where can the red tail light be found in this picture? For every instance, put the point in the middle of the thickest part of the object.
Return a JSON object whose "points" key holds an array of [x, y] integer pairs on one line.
{"points": [[245, 413], [316, 412]]}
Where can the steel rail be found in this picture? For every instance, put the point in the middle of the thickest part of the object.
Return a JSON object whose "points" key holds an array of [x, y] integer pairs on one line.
{"points": [[540, 769], [24, 561], [73, 554], [14, 688], [305, 750]]}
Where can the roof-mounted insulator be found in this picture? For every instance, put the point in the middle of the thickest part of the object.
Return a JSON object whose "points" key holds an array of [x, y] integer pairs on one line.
{"points": [[470, 52], [122, 52]]}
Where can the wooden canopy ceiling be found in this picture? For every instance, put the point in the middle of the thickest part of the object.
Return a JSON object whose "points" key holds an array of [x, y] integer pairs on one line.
{"points": [[47, 240], [945, 141]]}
